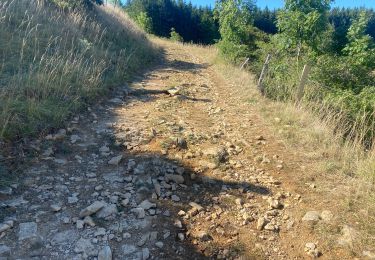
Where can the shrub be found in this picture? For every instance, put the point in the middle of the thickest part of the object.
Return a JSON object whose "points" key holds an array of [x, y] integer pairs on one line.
{"points": [[144, 21], [238, 34], [175, 36], [338, 72]]}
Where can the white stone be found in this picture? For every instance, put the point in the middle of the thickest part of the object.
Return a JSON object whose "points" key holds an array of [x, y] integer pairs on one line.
{"points": [[55, 208], [175, 198], [27, 230], [93, 208], [145, 253], [159, 244], [115, 160], [107, 211], [105, 253], [147, 205], [311, 216]]}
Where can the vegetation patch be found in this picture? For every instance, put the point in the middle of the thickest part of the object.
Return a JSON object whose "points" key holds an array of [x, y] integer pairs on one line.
{"points": [[56, 61]]}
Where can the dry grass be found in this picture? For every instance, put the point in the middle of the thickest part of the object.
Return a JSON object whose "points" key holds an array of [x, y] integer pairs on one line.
{"points": [[54, 62]]}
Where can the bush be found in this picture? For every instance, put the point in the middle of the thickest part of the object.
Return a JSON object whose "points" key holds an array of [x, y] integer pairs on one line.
{"points": [[175, 36], [238, 35], [144, 21], [338, 72], [73, 4]]}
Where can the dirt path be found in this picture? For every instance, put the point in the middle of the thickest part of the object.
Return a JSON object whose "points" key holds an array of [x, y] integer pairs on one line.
{"points": [[188, 175]]}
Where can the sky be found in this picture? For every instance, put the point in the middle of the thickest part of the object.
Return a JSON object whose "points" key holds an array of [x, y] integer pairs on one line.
{"points": [[279, 3]]}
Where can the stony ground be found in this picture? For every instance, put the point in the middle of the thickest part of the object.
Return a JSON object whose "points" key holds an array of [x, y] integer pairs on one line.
{"points": [[171, 167]]}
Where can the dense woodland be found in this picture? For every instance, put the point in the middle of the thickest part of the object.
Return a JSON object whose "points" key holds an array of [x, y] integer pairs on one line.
{"points": [[160, 17]]}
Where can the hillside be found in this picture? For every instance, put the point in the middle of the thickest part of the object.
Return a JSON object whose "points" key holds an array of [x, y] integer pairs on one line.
{"points": [[54, 61], [121, 145]]}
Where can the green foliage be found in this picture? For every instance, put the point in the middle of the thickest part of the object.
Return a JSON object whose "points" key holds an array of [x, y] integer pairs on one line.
{"points": [[175, 36], [352, 71], [144, 21], [358, 110], [194, 24], [74, 4], [70, 4], [238, 34], [303, 22], [340, 72], [360, 48], [342, 56]]}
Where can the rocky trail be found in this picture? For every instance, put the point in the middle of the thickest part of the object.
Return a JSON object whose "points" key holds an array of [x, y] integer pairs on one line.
{"points": [[173, 166]]}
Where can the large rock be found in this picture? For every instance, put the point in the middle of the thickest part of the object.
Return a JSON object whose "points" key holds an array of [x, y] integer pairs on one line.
{"points": [[311, 216], [93, 208], [368, 255], [13, 203], [115, 160], [27, 230], [312, 250], [6, 191], [196, 206], [261, 223], [106, 211], [147, 205], [218, 153]]}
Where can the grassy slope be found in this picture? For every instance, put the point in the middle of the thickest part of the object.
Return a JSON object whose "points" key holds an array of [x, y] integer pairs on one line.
{"points": [[54, 62]]}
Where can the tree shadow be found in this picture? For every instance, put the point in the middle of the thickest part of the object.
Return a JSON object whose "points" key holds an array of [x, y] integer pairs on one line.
{"points": [[173, 214], [173, 217]]}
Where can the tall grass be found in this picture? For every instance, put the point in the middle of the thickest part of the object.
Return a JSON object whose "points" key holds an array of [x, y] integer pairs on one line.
{"points": [[54, 61], [350, 115]]}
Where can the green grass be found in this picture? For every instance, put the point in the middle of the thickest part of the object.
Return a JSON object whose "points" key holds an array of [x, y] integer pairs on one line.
{"points": [[54, 62]]}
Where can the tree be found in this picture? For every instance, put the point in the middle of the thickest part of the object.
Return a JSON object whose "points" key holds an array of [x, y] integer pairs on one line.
{"points": [[194, 24], [303, 22], [144, 21], [236, 28], [360, 47]]}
